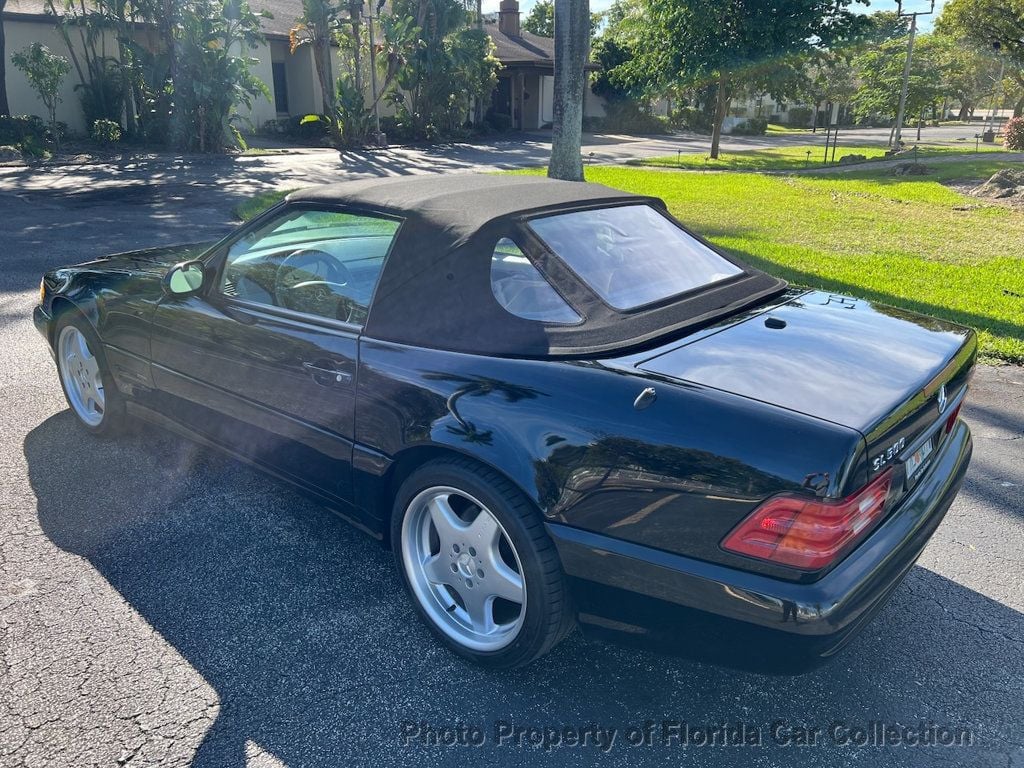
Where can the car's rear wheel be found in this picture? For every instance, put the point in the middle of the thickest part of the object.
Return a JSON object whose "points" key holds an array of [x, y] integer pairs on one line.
{"points": [[85, 379], [475, 558]]}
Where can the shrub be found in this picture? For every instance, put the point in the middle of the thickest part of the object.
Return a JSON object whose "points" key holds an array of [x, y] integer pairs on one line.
{"points": [[105, 132], [1013, 134], [309, 128], [500, 122], [33, 147], [103, 97], [398, 130], [629, 117], [15, 129], [61, 131], [45, 71], [752, 126], [273, 127], [690, 119], [799, 117]]}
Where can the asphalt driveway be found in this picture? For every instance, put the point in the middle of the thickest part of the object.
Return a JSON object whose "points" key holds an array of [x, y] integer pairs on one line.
{"points": [[161, 605]]}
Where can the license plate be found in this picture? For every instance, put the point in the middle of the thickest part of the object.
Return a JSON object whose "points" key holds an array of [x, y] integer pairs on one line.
{"points": [[918, 458]]}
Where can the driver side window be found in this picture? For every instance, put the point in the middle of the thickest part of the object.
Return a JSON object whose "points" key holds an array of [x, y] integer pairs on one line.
{"points": [[320, 263]]}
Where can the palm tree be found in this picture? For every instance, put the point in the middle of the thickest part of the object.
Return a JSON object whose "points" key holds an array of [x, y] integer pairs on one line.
{"points": [[316, 29]]}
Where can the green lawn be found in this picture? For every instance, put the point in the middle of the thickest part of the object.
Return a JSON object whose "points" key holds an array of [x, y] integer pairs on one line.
{"points": [[777, 128], [898, 241], [796, 158], [259, 203]]}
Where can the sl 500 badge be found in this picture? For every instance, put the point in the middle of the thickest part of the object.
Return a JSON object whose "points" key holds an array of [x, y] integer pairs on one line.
{"points": [[888, 455]]}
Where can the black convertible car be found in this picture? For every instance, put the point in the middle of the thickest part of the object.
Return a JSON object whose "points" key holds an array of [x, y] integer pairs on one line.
{"points": [[553, 402]]}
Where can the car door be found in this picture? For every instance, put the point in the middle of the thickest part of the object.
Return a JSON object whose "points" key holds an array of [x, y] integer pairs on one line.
{"points": [[264, 358]]}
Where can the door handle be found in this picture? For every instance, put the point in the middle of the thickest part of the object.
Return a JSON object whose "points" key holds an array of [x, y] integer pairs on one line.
{"points": [[319, 372]]}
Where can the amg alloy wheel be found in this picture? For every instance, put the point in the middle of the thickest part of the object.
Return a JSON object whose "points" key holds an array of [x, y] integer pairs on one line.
{"points": [[463, 569], [85, 379], [478, 563]]}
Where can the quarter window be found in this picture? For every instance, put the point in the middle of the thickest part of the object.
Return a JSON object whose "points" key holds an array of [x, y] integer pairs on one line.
{"points": [[320, 263], [522, 290], [631, 255]]}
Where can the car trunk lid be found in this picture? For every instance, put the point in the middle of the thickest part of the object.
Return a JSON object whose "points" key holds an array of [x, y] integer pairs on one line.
{"points": [[886, 372]]}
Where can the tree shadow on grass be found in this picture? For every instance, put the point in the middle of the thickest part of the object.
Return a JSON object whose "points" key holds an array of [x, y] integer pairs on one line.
{"points": [[299, 624]]}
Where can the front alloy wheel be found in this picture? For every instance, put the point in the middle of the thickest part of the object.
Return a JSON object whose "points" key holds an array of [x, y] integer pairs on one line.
{"points": [[85, 379], [80, 372]]}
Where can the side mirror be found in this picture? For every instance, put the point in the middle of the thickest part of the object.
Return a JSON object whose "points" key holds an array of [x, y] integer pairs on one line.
{"points": [[184, 279]]}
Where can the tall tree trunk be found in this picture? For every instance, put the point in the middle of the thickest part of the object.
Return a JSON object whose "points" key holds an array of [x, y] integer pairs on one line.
{"points": [[478, 110], [355, 11], [721, 110], [965, 112], [131, 126], [5, 108], [572, 45], [322, 60]]}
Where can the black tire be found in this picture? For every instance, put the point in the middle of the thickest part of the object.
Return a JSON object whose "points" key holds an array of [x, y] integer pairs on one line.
{"points": [[114, 418], [549, 615]]}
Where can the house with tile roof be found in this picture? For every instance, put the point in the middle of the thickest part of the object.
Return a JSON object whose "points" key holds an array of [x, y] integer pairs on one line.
{"points": [[524, 91]]}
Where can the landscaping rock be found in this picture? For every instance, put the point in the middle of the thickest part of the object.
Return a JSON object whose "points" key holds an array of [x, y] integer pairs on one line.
{"points": [[851, 159], [911, 169], [11, 156], [1004, 184]]}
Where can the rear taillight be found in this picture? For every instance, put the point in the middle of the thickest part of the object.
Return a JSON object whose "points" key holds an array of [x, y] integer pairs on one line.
{"points": [[953, 416], [809, 533]]}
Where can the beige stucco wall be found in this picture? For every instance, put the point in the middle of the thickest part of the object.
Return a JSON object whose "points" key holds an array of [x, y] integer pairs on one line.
{"points": [[593, 105], [22, 99], [304, 96], [547, 98], [262, 107], [532, 92]]}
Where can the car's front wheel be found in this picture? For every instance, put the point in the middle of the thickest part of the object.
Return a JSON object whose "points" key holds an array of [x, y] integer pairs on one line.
{"points": [[85, 378], [482, 572]]}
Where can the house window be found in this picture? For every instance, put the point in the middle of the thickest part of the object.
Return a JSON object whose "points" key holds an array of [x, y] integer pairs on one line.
{"points": [[280, 87]]}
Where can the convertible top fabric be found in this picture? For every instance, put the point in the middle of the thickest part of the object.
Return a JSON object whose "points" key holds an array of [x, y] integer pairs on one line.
{"points": [[435, 289]]}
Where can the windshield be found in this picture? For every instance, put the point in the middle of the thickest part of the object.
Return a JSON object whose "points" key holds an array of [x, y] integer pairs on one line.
{"points": [[631, 255]]}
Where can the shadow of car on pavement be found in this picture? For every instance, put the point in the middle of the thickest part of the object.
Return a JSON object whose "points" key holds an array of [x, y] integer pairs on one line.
{"points": [[299, 623]]}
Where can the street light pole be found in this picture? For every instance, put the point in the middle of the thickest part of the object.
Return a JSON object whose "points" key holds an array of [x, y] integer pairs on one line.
{"points": [[997, 97], [901, 110]]}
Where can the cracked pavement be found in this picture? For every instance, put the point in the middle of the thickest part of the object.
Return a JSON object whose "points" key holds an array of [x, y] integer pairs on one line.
{"points": [[162, 605]]}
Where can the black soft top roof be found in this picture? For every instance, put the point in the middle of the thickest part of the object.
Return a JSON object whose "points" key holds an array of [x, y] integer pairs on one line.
{"points": [[457, 205], [435, 288]]}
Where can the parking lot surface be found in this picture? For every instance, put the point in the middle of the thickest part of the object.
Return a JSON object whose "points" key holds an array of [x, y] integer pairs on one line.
{"points": [[162, 605]]}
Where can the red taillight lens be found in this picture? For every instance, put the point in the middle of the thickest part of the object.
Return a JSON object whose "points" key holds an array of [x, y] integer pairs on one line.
{"points": [[809, 533], [953, 416]]}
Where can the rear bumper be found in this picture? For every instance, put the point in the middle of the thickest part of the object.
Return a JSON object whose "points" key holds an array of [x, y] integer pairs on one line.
{"points": [[642, 596]]}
